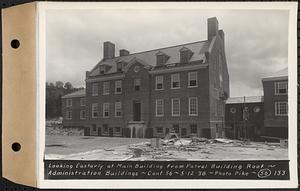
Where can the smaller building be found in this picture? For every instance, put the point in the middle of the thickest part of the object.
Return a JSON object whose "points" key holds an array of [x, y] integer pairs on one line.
{"points": [[73, 110], [244, 117]]}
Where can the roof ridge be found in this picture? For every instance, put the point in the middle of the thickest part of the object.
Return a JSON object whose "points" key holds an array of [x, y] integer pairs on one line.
{"points": [[159, 49]]}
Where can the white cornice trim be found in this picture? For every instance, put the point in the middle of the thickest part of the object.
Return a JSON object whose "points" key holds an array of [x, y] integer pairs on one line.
{"points": [[105, 78], [274, 78], [179, 69]]}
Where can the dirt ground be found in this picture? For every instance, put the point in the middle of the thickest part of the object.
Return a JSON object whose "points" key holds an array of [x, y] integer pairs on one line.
{"points": [[113, 148]]}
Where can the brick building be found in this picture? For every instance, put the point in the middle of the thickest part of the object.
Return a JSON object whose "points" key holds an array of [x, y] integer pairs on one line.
{"points": [[276, 104], [147, 94]]}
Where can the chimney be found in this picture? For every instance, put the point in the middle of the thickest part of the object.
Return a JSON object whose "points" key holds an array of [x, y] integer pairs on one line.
{"points": [[212, 27], [124, 52], [108, 50]]}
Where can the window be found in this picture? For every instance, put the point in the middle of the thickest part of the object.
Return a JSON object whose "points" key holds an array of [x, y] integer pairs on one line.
{"points": [[102, 69], [95, 89], [281, 108], [69, 103], [193, 128], [69, 115], [118, 86], [159, 130], [159, 82], [176, 107], [175, 81], [184, 56], [105, 110], [176, 128], [82, 101], [233, 110], [160, 59], [118, 129], [159, 107], [105, 88], [137, 84], [192, 79], [120, 66], [95, 110], [281, 88], [94, 128], [193, 106], [105, 128], [82, 114], [118, 109]]}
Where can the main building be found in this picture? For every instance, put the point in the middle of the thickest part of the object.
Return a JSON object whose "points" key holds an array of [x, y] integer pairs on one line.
{"points": [[147, 94]]}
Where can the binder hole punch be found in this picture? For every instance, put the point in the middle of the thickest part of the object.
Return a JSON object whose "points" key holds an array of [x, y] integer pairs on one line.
{"points": [[15, 43], [16, 147]]}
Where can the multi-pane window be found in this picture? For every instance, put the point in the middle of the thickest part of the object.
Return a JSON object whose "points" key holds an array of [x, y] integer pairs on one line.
{"points": [[176, 128], [82, 114], [281, 88], [102, 69], [193, 106], [117, 129], [193, 128], [184, 56], [105, 88], [192, 79], [175, 81], [105, 110], [119, 66], [94, 89], [118, 109], [159, 107], [118, 86], [281, 108], [159, 82], [159, 130], [69, 115], [137, 84], [82, 101], [176, 107], [69, 103], [95, 110], [105, 128]]}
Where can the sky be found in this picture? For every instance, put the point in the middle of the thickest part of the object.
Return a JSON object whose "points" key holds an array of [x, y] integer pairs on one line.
{"points": [[256, 41]]}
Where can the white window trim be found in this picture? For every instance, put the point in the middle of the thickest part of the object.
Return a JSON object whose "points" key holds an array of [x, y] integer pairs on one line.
{"points": [[156, 114], [277, 84], [106, 93], [67, 116], [277, 103], [162, 81], [172, 80], [116, 109], [93, 92], [175, 115], [81, 114], [69, 105], [104, 110], [189, 79], [94, 111], [190, 106], [81, 101], [117, 87]]}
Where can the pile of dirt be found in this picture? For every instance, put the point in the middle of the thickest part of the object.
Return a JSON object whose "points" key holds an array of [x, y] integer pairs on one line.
{"points": [[55, 127]]}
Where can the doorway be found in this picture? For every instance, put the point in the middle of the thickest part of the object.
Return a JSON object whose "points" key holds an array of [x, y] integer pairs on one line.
{"points": [[136, 111]]}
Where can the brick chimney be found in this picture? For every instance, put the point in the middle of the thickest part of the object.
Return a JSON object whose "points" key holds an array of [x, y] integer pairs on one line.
{"points": [[108, 50], [124, 52], [212, 27]]}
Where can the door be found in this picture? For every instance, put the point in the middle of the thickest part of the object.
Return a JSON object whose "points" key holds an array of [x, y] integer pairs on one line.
{"points": [[136, 111]]}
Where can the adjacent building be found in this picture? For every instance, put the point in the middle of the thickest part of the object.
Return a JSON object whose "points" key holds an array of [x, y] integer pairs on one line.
{"points": [[180, 88]]}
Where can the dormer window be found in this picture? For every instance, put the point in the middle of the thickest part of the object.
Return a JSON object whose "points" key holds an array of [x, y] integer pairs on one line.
{"points": [[102, 69], [161, 58], [185, 55], [119, 66]]}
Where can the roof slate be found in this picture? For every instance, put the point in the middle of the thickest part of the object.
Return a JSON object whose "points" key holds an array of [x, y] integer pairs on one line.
{"points": [[250, 99], [198, 48], [280, 73], [79, 93]]}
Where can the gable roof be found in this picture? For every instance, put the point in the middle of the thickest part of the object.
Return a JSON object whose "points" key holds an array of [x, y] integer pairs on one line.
{"points": [[79, 93], [149, 57], [249, 99], [280, 73]]}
